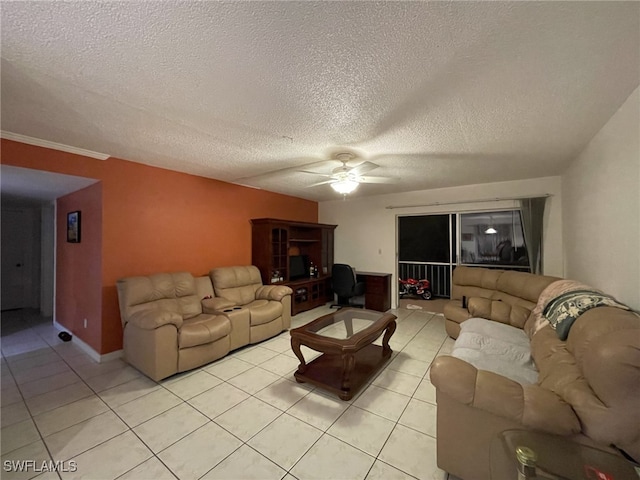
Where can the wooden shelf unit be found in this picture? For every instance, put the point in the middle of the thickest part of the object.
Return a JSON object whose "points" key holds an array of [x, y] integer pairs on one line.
{"points": [[274, 241]]}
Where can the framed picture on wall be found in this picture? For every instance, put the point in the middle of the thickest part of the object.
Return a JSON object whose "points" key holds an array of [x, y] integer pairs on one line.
{"points": [[73, 227]]}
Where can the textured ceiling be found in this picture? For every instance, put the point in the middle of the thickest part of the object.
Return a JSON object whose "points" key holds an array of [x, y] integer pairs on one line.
{"points": [[436, 93]]}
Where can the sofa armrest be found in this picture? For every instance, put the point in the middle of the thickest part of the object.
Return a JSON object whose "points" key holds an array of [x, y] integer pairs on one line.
{"points": [[530, 405], [273, 292], [216, 304], [153, 318]]}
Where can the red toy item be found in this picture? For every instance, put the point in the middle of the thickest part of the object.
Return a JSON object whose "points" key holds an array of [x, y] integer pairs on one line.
{"points": [[412, 286], [595, 474]]}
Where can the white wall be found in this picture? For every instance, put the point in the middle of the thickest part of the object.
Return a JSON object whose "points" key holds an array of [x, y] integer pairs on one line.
{"points": [[601, 208], [366, 233], [47, 258]]}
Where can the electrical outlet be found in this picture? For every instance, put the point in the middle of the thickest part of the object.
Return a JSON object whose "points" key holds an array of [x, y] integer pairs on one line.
{"points": [[85, 323]]}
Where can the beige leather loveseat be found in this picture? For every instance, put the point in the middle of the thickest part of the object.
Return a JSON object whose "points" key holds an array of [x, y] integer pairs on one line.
{"points": [[587, 387], [173, 322]]}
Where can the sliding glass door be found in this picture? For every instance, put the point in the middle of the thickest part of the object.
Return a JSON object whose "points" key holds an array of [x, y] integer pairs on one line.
{"points": [[427, 250], [431, 246]]}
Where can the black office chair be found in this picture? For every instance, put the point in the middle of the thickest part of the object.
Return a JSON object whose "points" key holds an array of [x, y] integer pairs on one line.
{"points": [[349, 291]]}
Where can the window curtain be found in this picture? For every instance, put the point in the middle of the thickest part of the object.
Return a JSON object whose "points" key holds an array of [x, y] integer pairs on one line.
{"points": [[532, 216]]}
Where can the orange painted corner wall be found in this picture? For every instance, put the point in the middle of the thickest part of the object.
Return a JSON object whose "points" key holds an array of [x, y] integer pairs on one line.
{"points": [[157, 220], [79, 266]]}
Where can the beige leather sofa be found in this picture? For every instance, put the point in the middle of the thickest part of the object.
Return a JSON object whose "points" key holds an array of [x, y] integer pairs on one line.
{"points": [[588, 387], [173, 322], [501, 295]]}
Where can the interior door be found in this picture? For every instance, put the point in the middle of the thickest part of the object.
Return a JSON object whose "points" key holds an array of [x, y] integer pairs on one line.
{"points": [[17, 237]]}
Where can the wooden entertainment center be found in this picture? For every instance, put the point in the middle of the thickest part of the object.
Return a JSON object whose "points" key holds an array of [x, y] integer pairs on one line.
{"points": [[273, 244]]}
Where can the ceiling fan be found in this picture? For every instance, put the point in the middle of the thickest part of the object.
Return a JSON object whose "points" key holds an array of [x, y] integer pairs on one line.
{"points": [[345, 179]]}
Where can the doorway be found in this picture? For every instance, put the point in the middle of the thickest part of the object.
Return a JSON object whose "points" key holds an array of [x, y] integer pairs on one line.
{"points": [[20, 257], [28, 235], [427, 250]]}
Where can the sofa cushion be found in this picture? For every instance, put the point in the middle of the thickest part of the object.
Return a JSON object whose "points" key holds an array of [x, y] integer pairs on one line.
{"points": [[264, 311], [474, 282], [498, 311], [238, 284], [496, 347], [203, 329], [523, 285], [477, 277], [173, 292]]}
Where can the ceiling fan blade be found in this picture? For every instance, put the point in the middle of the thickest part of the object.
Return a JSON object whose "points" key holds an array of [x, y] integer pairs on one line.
{"points": [[284, 170], [320, 183], [315, 173], [378, 179], [363, 168]]}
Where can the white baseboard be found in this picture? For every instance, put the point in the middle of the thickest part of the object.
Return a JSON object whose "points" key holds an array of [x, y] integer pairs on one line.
{"points": [[87, 348], [111, 356]]}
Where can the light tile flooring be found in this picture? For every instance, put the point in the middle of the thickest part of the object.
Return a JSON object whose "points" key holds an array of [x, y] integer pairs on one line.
{"points": [[241, 417]]}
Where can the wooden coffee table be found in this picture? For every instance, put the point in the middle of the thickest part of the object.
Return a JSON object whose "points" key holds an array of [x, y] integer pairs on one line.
{"points": [[345, 339]]}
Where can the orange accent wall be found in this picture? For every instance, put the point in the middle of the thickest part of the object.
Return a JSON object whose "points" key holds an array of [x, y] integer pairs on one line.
{"points": [[79, 266], [154, 220]]}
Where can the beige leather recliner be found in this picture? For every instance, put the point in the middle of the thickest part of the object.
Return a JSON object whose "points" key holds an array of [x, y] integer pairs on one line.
{"points": [[164, 328], [265, 310], [173, 322]]}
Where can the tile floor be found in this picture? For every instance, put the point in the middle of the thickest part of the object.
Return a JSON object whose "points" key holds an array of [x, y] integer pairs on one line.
{"points": [[241, 417]]}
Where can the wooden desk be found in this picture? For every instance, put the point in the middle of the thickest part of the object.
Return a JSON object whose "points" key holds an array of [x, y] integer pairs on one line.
{"points": [[377, 294]]}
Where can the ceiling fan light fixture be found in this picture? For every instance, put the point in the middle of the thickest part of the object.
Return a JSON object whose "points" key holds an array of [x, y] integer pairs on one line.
{"points": [[345, 186]]}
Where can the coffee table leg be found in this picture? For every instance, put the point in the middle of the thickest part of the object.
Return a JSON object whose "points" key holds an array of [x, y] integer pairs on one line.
{"points": [[386, 349], [348, 323], [348, 362], [295, 346]]}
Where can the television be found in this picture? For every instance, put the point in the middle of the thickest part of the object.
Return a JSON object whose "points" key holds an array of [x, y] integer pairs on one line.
{"points": [[298, 267]]}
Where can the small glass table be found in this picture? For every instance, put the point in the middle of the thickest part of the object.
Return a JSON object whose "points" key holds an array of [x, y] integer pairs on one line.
{"points": [[345, 339], [556, 457]]}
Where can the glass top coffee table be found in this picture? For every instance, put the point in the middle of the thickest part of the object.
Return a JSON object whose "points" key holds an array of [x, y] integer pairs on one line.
{"points": [[345, 339], [554, 457]]}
